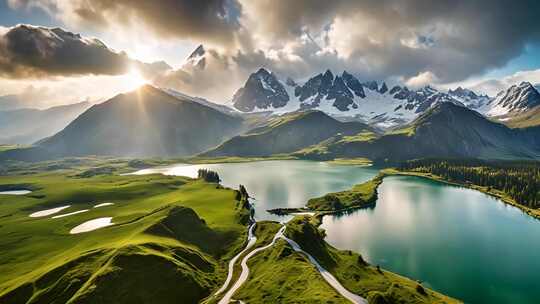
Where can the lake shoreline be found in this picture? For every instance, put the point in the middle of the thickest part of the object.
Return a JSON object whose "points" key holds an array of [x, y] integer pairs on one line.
{"points": [[494, 193], [393, 172]]}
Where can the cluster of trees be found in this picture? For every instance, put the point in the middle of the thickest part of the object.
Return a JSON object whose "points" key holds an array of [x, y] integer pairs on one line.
{"points": [[518, 179], [208, 175]]}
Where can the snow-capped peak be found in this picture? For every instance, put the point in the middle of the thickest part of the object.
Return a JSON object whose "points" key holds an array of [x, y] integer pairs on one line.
{"points": [[341, 95], [516, 99], [469, 98], [262, 91], [197, 59]]}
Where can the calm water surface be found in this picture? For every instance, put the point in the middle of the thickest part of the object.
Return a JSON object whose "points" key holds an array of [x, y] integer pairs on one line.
{"points": [[458, 241], [276, 184]]}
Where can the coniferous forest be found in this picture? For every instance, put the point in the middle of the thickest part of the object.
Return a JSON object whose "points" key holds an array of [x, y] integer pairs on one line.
{"points": [[518, 179], [208, 175]]}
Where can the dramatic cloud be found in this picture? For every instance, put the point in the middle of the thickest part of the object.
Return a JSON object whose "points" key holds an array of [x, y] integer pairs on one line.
{"points": [[209, 20], [414, 41], [451, 39], [32, 52], [28, 51]]}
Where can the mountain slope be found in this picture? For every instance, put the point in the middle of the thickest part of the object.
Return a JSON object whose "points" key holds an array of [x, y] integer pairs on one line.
{"points": [[25, 126], [145, 122], [446, 130], [518, 106], [286, 134], [216, 106], [526, 119]]}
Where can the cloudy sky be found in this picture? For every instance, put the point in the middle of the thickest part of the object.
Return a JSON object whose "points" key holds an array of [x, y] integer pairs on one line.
{"points": [[62, 51]]}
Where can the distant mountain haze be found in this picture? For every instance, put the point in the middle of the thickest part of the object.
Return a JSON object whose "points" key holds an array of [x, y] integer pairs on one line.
{"points": [[26, 126], [145, 122]]}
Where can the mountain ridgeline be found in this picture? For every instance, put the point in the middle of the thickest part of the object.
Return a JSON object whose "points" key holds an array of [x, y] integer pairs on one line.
{"points": [[287, 134], [145, 122], [328, 116], [446, 130], [344, 95]]}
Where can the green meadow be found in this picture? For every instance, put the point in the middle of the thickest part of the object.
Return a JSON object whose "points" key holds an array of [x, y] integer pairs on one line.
{"points": [[170, 240]]}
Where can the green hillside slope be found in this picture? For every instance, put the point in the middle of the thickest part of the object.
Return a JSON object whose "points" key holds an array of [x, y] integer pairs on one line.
{"points": [[286, 134]]}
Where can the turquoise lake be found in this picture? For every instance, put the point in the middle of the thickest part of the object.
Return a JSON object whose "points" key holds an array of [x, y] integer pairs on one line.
{"points": [[457, 241]]}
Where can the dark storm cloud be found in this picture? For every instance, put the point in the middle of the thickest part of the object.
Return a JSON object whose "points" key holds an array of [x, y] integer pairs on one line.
{"points": [[452, 39], [206, 20], [28, 51]]}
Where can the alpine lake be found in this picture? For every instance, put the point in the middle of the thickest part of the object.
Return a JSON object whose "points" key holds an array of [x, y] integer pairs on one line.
{"points": [[455, 240]]}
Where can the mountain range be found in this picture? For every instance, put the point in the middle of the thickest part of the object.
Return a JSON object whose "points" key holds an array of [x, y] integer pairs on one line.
{"points": [[327, 116], [446, 130], [345, 96]]}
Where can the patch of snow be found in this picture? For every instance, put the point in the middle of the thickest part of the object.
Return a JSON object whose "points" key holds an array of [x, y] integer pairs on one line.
{"points": [[103, 205], [15, 192], [266, 86], [92, 225], [47, 212], [496, 110], [68, 214]]}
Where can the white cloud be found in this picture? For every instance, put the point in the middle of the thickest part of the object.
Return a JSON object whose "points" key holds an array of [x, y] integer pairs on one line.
{"points": [[494, 86], [422, 79]]}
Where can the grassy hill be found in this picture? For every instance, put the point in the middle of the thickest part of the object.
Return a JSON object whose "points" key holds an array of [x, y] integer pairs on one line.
{"points": [[446, 130], [171, 239], [298, 280], [170, 243], [286, 134]]}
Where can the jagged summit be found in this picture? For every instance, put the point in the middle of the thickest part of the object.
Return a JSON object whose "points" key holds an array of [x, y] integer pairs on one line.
{"points": [[341, 95], [197, 59], [344, 95], [459, 91], [199, 51], [261, 91], [516, 99]]}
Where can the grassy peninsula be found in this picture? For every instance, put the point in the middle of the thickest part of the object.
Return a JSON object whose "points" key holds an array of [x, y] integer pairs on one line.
{"points": [[281, 275]]}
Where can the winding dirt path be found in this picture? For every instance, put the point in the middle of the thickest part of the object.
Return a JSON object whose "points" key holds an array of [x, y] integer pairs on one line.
{"points": [[251, 241], [245, 269], [328, 277]]}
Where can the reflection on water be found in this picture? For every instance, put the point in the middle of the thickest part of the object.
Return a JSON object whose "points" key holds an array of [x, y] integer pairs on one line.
{"points": [[459, 241], [276, 184]]}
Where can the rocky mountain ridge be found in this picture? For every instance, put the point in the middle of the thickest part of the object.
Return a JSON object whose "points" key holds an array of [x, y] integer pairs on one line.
{"points": [[343, 95]]}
